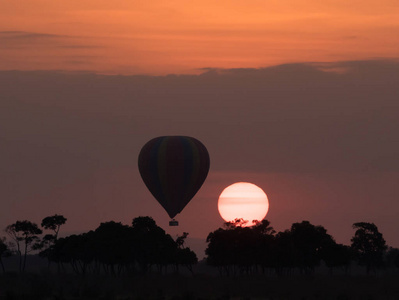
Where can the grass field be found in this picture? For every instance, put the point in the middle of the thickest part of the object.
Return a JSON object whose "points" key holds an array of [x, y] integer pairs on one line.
{"points": [[41, 282], [200, 286]]}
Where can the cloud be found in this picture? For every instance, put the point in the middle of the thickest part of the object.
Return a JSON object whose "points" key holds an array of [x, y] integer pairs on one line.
{"points": [[24, 39], [293, 117], [80, 46], [19, 35]]}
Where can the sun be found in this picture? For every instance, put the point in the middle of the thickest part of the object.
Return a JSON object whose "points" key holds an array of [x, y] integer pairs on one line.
{"points": [[243, 200]]}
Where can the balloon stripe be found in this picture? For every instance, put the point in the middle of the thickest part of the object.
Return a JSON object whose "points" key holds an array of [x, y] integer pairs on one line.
{"points": [[158, 190], [172, 169], [184, 157], [148, 167], [162, 171], [188, 171], [195, 167]]}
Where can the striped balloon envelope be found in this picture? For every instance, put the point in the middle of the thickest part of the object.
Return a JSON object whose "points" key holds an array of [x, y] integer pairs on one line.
{"points": [[173, 168]]}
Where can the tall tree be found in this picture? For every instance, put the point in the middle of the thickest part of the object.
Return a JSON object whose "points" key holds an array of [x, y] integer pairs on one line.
{"points": [[369, 245], [54, 223], [27, 233]]}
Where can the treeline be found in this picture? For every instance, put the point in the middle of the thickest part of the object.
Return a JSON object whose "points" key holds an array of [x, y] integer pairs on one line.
{"points": [[112, 248], [237, 249]]}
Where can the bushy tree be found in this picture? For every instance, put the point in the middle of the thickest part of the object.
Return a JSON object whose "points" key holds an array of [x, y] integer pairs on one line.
{"points": [[152, 246], [114, 248], [220, 250], [112, 244], [77, 250], [186, 257], [248, 248], [308, 241], [239, 248], [337, 256], [369, 245], [283, 254]]}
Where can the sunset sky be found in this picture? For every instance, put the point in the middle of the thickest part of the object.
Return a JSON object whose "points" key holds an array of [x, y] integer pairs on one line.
{"points": [[299, 97], [160, 37]]}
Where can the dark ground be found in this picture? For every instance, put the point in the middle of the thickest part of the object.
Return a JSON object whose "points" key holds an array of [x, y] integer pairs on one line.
{"points": [[47, 286], [40, 282]]}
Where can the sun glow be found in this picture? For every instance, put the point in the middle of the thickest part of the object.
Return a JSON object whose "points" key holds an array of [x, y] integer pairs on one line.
{"points": [[243, 200]]}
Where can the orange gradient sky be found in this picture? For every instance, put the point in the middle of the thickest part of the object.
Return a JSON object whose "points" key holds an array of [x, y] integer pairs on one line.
{"points": [[159, 37]]}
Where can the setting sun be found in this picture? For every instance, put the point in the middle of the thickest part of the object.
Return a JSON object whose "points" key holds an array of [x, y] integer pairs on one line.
{"points": [[243, 200]]}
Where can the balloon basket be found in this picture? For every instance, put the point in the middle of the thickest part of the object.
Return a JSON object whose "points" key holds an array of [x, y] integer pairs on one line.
{"points": [[173, 223]]}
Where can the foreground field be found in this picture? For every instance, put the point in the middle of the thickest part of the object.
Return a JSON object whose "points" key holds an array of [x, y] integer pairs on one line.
{"points": [[50, 286]]}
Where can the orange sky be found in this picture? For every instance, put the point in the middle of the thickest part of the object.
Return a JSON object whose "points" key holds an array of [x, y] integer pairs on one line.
{"points": [[158, 37]]}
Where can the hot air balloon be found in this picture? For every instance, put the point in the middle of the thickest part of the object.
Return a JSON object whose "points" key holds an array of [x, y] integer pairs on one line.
{"points": [[173, 168]]}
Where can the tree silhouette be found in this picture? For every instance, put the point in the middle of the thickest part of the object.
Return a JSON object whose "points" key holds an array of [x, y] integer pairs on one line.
{"points": [[264, 244], [336, 256], [183, 255], [239, 222], [369, 245], [283, 252], [115, 248], [50, 223], [112, 246], [152, 246], [238, 248], [26, 232], [180, 240], [308, 242], [392, 257], [247, 248], [220, 250], [54, 223], [4, 252], [186, 257], [77, 250]]}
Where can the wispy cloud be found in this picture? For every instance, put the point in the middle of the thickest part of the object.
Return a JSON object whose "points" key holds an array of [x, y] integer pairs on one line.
{"points": [[23, 39], [81, 46], [24, 35]]}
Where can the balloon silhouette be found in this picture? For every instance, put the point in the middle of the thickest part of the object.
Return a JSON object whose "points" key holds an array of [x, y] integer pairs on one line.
{"points": [[173, 168]]}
